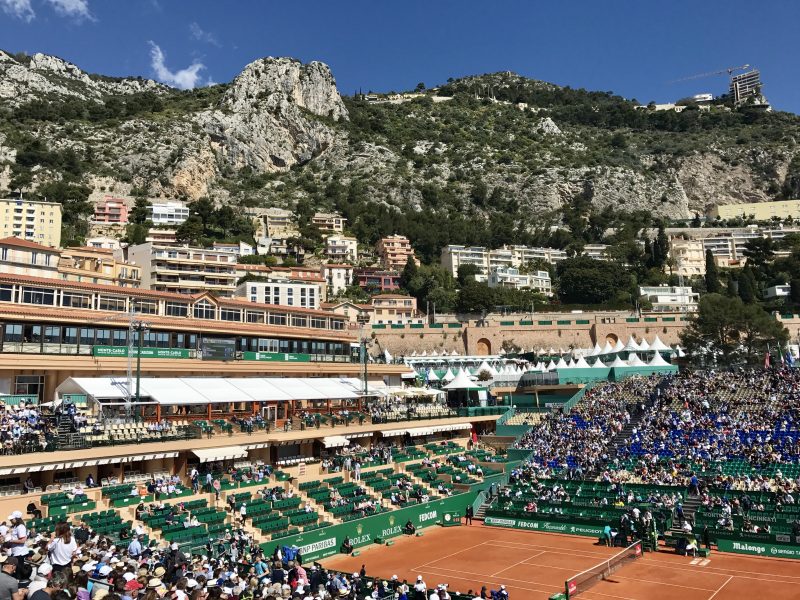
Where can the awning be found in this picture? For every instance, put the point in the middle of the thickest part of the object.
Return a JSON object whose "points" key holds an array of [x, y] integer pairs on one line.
{"points": [[225, 453], [93, 462], [393, 432], [351, 436], [256, 446], [335, 441], [422, 431]]}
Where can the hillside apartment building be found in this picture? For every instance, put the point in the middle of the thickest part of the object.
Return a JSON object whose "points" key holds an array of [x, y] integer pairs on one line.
{"points": [[31, 220]]}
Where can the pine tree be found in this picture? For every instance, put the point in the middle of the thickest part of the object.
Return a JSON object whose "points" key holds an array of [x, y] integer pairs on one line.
{"points": [[712, 274], [747, 288], [409, 272]]}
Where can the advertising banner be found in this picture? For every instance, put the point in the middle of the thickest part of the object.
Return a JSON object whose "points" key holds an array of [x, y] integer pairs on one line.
{"points": [[759, 548], [545, 526], [276, 357], [122, 351], [325, 542]]}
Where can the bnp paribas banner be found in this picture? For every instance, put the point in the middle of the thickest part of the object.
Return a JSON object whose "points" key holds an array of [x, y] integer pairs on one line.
{"points": [[546, 526], [759, 548], [325, 542]]}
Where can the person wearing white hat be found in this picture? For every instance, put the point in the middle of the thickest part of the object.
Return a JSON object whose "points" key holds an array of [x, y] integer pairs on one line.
{"points": [[19, 535], [420, 589]]}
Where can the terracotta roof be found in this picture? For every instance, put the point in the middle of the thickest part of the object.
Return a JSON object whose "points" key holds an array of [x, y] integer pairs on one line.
{"points": [[333, 305], [395, 296], [19, 242], [337, 266], [199, 326], [90, 249]]}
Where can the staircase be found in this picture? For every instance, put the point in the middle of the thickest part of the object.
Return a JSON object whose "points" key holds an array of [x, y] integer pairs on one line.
{"points": [[481, 512], [690, 506], [66, 439]]}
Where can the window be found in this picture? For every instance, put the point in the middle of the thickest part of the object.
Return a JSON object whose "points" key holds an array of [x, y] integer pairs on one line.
{"points": [[29, 385], [119, 337], [177, 309], [103, 337], [12, 333], [267, 345], [52, 335], [111, 303], [43, 296], [5, 253], [75, 300], [319, 323], [230, 314], [70, 335], [337, 324], [277, 319], [6, 293], [87, 336], [146, 307], [205, 310], [255, 316], [34, 257], [299, 321]]}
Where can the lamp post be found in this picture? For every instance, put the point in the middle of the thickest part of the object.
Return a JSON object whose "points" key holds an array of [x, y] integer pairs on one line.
{"points": [[363, 319], [140, 327]]}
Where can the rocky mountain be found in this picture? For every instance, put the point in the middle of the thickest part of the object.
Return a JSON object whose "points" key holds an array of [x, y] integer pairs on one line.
{"points": [[489, 148]]}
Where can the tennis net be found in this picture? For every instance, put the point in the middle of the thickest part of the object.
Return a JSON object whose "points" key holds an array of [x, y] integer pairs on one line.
{"points": [[583, 581]]}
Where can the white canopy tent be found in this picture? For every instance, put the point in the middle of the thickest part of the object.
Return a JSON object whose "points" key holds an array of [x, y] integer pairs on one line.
{"points": [[634, 360], [659, 346], [462, 381], [619, 347], [631, 346], [657, 361], [644, 346], [618, 362]]}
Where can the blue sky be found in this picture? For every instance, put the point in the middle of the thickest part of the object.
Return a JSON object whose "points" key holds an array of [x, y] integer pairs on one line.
{"points": [[632, 48]]}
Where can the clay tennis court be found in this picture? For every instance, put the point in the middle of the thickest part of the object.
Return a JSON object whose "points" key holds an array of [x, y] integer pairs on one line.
{"points": [[535, 565]]}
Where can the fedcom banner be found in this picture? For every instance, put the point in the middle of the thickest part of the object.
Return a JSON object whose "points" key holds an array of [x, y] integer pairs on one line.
{"points": [[545, 526], [322, 543], [758, 548]]}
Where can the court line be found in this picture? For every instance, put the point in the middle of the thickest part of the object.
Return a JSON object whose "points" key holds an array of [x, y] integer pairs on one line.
{"points": [[571, 551], [518, 563], [503, 582], [765, 577], [720, 588]]}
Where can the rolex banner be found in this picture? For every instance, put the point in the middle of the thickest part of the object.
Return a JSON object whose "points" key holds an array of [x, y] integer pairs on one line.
{"points": [[322, 543], [451, 519]]}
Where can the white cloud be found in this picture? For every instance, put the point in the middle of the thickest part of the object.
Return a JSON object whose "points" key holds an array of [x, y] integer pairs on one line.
{"points": [[185, 79], [202, 35], [21, 9], [74, 9]]}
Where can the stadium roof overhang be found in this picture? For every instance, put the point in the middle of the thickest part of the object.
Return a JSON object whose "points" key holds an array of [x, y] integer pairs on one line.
{"points": [[224, 453], [421, 431], [76, 464], [211, 390]]}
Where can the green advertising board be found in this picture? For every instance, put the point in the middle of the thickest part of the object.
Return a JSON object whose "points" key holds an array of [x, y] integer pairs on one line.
{"points": [[122, 351], [276, 357], [545, 526], [759, 548], [451, 519], [325, 542]]}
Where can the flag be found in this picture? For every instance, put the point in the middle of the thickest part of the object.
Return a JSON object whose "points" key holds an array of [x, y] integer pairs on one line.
{"points": [[789, 358]]}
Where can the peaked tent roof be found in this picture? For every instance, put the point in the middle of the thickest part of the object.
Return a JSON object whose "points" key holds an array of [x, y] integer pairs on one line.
{"points": [[631, 346], [618, 362], [657, 361], [607, 349], [659, 345], [448, 376], [561, 364], [644, 345], [599, 364], [462, 382], [581, 363], [619, 347], [634, 361]]}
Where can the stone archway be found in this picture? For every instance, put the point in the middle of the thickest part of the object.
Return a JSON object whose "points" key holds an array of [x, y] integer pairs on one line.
{"points": [[612, 338], [483, 347]]}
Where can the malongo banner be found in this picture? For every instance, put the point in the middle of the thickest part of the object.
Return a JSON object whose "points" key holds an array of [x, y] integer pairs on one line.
{"points": [[325, 542], [545, 526], [759, 548]]}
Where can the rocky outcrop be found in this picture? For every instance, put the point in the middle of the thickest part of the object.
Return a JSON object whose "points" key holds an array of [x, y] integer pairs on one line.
{"points": [[275, 115], [43, 76]]}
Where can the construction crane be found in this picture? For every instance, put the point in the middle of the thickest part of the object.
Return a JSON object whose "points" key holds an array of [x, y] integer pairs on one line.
{"points": [[729, 71], [135, 324]]}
